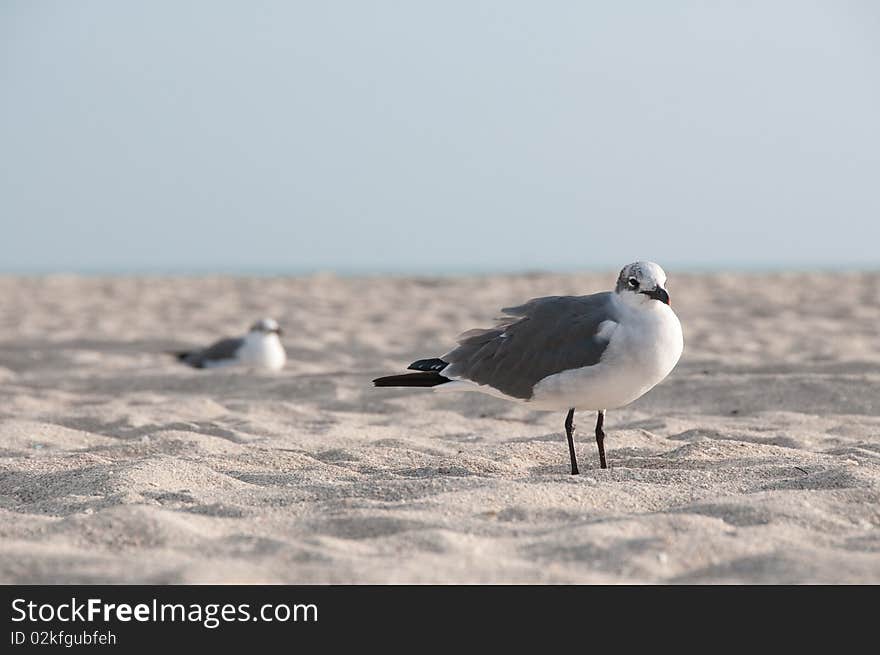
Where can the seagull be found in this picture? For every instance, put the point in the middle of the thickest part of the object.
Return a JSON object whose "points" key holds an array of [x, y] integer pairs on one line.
{"points": [[596, 352], [259, 348]]}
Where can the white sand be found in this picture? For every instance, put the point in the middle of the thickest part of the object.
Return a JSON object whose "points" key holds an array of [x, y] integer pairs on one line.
{"points": [[758, 460]]}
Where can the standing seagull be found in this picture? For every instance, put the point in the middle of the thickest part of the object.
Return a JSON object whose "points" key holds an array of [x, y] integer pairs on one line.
{"points": [[259, 348], [594, 352]]}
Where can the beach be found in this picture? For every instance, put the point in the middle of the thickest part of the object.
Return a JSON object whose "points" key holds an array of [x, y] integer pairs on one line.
{"points": [[756, 461]]}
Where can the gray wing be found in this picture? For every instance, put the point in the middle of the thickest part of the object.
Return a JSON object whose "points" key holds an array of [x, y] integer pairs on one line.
{"points": [[223, 349], [542, 337]]}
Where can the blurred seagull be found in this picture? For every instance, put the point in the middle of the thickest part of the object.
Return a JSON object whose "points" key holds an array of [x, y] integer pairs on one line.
{"points": [[595, 352], [259, 348]]}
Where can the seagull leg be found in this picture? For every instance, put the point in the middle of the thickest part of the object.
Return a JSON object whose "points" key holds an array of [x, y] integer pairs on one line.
{"points": [[600, 439], [569, 431]]}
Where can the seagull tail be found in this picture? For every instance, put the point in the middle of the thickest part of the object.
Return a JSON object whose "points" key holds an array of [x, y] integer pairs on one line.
{"points": [[420, 379], [187, 357]]}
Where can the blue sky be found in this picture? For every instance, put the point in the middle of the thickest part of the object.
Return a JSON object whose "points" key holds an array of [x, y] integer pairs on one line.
{"points": [[438, 137]]}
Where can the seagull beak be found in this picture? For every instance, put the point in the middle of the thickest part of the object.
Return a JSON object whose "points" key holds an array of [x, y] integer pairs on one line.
{"points": [[278, 331], [658, 293]]}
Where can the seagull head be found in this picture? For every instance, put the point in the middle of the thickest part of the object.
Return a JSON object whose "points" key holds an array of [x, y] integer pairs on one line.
{"points": [[642, 282], [266, 326]]}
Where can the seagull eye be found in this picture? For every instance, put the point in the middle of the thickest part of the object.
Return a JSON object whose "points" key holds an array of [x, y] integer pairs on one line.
{"points": [[633, 283]]}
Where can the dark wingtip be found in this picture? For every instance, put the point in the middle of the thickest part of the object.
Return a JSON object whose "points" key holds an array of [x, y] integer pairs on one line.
{"points": [[428, 375], [183, 356], [433, 365], [420, 379]]}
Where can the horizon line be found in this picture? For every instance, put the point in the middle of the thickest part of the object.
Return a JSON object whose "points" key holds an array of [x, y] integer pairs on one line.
{"points": [[428, 271]]}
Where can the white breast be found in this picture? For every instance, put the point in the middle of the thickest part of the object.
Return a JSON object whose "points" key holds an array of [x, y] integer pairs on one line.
{"points": [[262, 351], [644, 348]]}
